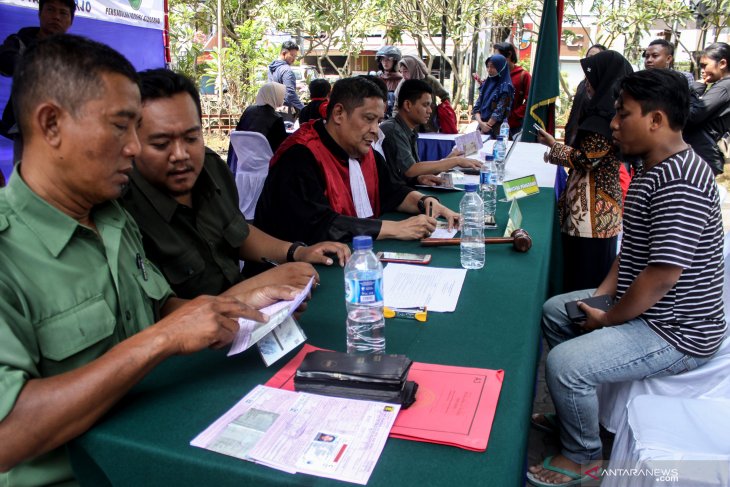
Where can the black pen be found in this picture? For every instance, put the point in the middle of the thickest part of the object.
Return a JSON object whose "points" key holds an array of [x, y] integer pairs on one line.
{"points": [[269, 261], [140, 266]]}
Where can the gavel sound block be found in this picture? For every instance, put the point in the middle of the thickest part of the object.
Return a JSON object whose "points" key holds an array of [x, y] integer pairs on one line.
{"points": [[520, 240]]}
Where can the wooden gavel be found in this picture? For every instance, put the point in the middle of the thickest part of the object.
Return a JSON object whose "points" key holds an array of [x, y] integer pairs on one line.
{"points": [[520, 240]]}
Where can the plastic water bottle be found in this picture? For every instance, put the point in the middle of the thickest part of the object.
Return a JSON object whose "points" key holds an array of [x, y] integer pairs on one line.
{"points": [[472, 229], [364, 299], [488, 189], [504, 130], [500, 151]]}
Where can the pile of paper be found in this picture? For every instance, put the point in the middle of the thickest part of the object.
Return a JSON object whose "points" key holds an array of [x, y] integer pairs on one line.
{"points": [[303, 433]]}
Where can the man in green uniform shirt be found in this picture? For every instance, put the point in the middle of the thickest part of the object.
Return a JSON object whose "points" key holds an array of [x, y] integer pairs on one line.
{"points": [[184, 199], [83, 315]]}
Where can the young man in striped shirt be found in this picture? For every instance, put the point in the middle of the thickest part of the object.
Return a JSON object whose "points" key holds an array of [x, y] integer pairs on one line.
{"points": [[667, 281]]}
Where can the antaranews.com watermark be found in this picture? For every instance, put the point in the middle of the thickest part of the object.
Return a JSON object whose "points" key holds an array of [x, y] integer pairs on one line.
{"points": [[664, 472]]}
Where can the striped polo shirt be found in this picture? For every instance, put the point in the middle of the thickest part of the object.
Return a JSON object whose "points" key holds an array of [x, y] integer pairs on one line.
{"points": [[672, 216]]}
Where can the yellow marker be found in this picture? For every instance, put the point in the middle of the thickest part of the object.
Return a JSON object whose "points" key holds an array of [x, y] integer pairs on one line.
{"points": [[418, 314]]}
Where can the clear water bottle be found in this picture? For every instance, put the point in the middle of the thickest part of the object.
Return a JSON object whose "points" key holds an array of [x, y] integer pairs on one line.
{"points": [[504, 129], [500, 151], [472, 229], [488, 189], [364, 299]]}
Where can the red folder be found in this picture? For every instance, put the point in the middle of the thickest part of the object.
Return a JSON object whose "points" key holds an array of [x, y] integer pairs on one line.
{"points": [[454, 405]]}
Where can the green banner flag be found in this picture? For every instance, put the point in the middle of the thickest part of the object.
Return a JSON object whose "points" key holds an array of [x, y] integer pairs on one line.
{"points": [[545, 86]]}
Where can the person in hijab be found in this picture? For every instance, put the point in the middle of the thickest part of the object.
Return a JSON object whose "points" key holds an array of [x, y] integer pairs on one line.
{"points": [[495, 96], [263, 118], [521, 80], [580, 101], [590, 208], [411, 67]]}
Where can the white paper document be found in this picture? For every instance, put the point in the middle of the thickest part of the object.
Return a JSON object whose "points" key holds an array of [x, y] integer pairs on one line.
{"points": [[412, 286], [250, 332], [303, 433], [443, 233], [469, 143]]}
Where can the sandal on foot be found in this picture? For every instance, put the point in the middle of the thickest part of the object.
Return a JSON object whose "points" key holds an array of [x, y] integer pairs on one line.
{"points": [[549, 425], [575, 478]]}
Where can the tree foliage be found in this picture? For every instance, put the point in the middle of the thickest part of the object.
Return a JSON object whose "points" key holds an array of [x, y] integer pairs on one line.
{"points": [[341, 27], [627, 21], [423, 20], [325, 25], [713, 16], [244, 59]]}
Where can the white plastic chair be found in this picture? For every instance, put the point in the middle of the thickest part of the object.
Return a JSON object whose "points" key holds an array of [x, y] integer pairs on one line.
{"points": [[711, 380], [254, 153], [672, 441]]}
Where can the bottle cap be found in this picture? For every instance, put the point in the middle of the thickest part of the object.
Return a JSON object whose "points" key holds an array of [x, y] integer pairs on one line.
{"points": [[500, 137], [362, 242], [470, 187], [488, 157]]}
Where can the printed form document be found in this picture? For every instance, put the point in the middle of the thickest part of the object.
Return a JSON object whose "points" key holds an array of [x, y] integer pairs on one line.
{"points": [[298, 432], [413, 286]]}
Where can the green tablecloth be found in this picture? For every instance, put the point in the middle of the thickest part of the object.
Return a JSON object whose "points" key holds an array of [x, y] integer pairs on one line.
{"points": [[145, 439]]}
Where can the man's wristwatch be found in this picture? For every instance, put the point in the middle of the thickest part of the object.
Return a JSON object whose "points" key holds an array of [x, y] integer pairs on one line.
{"points": [[293, 248], [422, 203]]}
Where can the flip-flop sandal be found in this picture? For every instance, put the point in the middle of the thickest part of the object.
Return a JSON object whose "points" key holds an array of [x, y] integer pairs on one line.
{"points": [[550, 425], [575, 478]]}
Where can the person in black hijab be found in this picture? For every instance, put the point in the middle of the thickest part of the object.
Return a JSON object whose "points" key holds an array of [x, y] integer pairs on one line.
{"points": [[580, 101], [590, 208]]}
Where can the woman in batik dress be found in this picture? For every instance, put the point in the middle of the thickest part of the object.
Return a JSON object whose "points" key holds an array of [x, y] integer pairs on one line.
{"points": [[590, 207]]}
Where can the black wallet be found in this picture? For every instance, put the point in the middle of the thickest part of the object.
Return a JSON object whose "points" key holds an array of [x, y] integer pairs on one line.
{"points": [[603, 302], [373, 377]]}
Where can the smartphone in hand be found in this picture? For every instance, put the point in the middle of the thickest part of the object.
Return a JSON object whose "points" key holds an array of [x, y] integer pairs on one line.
{"points": [[603, 302]]}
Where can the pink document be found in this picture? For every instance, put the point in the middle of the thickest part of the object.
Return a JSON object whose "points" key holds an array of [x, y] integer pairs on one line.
{"points": [[454, 405]]}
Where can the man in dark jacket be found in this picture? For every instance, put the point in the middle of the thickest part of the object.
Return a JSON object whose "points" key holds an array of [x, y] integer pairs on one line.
{"points": [[56, 17], [280, 72]]}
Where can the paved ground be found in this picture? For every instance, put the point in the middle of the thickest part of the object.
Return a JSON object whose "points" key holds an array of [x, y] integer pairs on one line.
{"points": [[541, 445]]}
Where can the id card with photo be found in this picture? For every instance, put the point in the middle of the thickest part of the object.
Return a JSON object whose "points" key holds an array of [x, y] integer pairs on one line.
{"points": [[282, 339]]}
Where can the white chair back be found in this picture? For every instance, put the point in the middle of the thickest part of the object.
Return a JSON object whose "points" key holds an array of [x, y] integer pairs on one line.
{"points": [[686, 440], [254, 153]]}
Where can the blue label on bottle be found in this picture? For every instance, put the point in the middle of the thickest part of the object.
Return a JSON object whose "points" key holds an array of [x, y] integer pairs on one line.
{"points": [[366, 291], [487, 178]]}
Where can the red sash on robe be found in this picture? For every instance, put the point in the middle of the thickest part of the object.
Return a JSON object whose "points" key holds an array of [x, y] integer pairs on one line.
{"points": [[336, 175]]}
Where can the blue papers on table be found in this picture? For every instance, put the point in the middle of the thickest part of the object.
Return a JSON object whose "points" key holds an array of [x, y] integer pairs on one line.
{"points": [[303, 433], [250, 332], [413, 286]]}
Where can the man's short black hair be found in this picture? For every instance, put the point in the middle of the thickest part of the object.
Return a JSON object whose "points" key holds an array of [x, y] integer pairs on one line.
{"points": [[352, 92], [507, 49], [163, 83], [71, 4], [665, 44], [411, 90], [659, 89], [378, 82], [319, 88], [66, 69], [289, 46]]}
